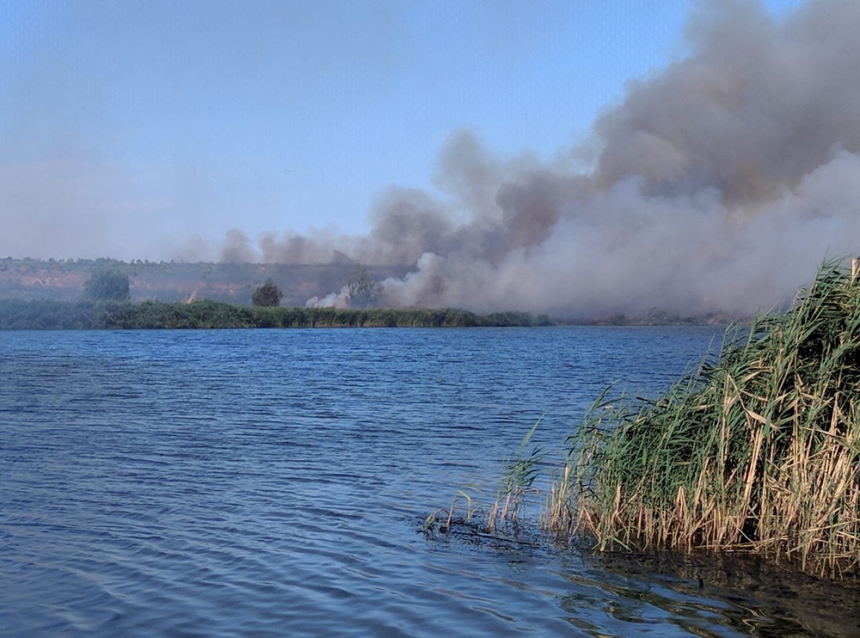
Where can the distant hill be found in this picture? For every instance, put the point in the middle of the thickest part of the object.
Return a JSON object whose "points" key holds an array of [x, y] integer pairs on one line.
{"points": [[63, 280]]}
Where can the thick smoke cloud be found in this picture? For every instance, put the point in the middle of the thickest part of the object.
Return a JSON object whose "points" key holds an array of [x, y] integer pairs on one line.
{"points": [[719, 183]]}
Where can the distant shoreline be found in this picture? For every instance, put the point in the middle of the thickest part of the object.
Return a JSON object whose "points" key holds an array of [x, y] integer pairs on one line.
{"points": [[205, 314], [16, 314]]}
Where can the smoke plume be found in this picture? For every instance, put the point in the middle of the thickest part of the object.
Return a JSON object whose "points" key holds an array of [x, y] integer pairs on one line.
{"points": [[719, 183]]}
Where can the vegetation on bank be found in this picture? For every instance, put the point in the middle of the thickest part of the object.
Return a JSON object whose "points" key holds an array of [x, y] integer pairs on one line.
{"points": [[107, 285], [267, 295], [758, 449], [60, 315]]}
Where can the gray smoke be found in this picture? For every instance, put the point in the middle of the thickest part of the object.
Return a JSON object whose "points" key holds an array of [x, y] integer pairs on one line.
{"points": [[719, 183]]}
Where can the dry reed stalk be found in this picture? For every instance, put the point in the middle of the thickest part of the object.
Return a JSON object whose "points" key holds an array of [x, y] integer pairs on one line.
{"points": [[760, 449]]}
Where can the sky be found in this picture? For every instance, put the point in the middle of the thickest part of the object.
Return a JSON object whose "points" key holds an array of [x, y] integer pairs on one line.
{"points": [[144, 130], [574, 157]]}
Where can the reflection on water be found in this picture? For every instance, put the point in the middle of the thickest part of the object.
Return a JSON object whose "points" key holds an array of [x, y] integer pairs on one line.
{"points": [[767, 599], [705, 594], [275, 482]]}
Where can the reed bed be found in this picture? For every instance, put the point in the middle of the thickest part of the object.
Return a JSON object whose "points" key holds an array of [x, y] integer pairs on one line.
{"points": [[208, 314], [756, 449], [517, 483]]}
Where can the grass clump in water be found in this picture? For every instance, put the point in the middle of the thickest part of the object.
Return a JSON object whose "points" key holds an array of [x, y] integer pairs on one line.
{"points": [[758, 449], [517, 480]]}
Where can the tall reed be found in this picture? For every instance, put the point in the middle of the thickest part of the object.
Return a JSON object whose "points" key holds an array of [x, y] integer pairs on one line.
{"points": [[758, 448], [518, 478]]}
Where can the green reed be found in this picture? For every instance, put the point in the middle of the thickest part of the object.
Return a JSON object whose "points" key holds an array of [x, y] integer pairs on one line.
{"points": [[757, 449], [517, 481]]}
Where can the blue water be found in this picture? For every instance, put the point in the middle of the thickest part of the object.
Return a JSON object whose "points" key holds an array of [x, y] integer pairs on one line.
{"points": [[222, 483]]}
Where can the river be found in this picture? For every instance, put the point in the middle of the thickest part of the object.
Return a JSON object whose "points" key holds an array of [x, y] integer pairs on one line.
{"points": [[271, 483]]}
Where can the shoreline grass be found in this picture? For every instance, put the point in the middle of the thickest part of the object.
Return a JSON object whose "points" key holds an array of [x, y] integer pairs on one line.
{"points": [[205, 314], [757, 450]]}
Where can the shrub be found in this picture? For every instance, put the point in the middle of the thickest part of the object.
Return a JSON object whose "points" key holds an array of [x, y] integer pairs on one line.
{"points": [[107, 285], [267, 295]]}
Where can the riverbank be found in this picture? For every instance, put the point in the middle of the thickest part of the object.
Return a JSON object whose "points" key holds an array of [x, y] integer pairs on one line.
{"points": [[148, 315]]}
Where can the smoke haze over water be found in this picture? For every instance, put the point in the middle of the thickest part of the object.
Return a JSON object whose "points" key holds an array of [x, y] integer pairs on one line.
{"points": [[718, 183]]}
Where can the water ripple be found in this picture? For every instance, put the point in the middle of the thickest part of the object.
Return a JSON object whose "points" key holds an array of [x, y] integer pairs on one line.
{"points": [[273, 483]]}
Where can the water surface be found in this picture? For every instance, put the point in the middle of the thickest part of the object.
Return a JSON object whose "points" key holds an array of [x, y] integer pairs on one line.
{"points": [[221, 483]]}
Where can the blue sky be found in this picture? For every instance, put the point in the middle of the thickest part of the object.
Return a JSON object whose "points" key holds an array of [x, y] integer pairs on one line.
{"points": [[128, 128]]}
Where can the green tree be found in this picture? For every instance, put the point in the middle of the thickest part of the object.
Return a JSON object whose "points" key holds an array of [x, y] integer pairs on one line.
{"points": [[107, 285], [362, 291], [267, 295]]}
